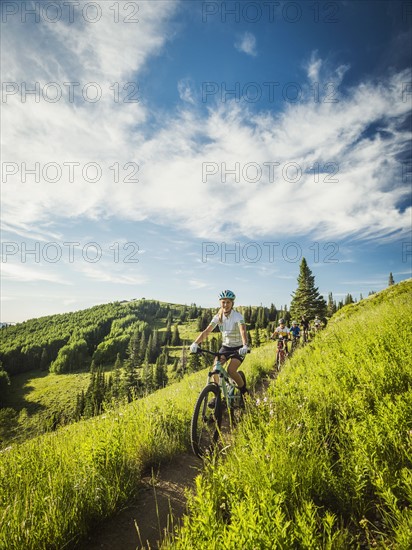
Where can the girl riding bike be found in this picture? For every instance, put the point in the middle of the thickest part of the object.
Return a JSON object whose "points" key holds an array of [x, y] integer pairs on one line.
{"points": [[233, 329]]}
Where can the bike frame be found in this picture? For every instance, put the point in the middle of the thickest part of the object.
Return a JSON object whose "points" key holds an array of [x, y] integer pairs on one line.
{"points": [[226, 383], [281, 350]]}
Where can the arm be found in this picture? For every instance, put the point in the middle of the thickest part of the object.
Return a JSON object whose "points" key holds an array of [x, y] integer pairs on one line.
{"points": [[203, 335], [243, 333]]}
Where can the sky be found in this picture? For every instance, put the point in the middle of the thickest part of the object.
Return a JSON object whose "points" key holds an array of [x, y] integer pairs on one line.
{"points": [[174, 149]]}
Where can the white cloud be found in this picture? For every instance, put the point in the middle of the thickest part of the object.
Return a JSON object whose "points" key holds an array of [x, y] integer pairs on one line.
{"points": [[171, 185], [247, 44], [185, 89], [104, 275], [24, 273]]}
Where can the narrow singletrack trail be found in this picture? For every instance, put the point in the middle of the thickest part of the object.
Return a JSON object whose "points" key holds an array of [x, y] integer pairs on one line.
{"points": [[143, 523]]}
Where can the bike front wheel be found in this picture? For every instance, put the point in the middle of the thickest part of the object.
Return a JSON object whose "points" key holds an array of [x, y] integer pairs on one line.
{"points": [[206, 420]]}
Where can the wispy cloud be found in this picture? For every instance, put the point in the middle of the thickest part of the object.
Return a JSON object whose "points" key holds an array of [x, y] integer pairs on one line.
{"points": [[247, 44], [185, 89], [349, 172], [103, 275], [24, 273]]}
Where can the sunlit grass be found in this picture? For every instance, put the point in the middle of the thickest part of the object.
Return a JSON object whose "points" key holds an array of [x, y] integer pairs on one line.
{"points": [[324, 460]]}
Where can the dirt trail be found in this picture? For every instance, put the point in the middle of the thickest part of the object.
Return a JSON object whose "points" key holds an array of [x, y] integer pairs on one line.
{"points": [[150, 512]]}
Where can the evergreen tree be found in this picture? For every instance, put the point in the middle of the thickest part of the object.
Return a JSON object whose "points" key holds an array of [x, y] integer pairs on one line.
{"points": [[331, 308], [168, 334], [80, 404], [256, 338], [348, 299], [176, 341], [115, 393], [391, 279], [203, 320], [306, 299], [194, 362], [129, 383], [142, 347], [160, 372], [133, 348], [4, 381], [184, 315], [272, 312]]}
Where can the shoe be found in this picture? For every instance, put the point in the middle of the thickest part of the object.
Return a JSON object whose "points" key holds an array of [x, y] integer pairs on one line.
{"points": [[212, 403]]}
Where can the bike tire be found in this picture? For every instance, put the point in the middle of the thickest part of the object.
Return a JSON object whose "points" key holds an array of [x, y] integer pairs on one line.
{"points": [[206, 421]]}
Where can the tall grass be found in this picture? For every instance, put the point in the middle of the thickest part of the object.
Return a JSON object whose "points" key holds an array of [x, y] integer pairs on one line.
{"points": [[324, 460], [55, 487]]}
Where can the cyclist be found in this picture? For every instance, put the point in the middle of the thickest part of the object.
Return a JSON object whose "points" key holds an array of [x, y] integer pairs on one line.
{"points": [[317, 323], [305, 325], [295, 330], [282, 331], [233, 329]]}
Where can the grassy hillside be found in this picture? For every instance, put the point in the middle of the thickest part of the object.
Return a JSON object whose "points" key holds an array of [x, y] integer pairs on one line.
{"points": [[55, 487], [42, 397], [324, 461]]}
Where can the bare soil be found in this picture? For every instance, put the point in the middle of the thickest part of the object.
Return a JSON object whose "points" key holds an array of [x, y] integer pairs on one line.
{"points": [[159, 505]]}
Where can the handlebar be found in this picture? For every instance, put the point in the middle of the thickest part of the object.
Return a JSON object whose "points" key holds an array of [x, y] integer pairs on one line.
{"points": [[226, 354]]}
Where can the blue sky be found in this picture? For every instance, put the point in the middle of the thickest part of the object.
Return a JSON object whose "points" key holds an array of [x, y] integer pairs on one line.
{"points": [[170, 150]]}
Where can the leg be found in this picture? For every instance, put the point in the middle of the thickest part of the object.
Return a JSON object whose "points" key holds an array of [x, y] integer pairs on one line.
{"points": [[216, 376], [232, 370]]}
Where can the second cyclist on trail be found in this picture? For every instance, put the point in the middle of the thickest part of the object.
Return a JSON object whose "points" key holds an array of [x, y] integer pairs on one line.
{"points": [[234, 336], [282, 331]]}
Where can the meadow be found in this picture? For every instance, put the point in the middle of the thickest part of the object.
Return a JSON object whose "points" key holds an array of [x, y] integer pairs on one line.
{"points": [[322, 459]]}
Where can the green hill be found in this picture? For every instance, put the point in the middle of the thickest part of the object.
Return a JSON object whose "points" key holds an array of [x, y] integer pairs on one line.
{"points": [[323, 460], [49, 360]]}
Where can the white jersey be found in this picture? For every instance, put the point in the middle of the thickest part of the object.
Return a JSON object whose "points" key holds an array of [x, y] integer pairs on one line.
{"points": [[229, 327]]}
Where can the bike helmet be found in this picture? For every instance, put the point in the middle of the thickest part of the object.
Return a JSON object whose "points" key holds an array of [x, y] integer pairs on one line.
{"points": [[282, 321], [227, 295], [294, 323]]}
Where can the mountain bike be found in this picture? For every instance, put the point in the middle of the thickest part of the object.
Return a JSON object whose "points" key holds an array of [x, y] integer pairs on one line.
{"points": [[206, 421], [281, 352], [305, 331], [295, 342]]}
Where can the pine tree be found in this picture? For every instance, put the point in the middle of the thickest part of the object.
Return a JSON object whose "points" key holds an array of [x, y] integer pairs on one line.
{"points": [[133, 348], [168, 334], [176, 341], [116, 378], [272, 312], [129, 383], [331, 305], [160, 372], [256, 338], [349, 299], [306, 299], [391, 279], [194, 362]]}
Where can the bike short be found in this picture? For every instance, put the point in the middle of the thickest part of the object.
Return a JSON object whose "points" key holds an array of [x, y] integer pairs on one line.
{"points": [[236, 355]]}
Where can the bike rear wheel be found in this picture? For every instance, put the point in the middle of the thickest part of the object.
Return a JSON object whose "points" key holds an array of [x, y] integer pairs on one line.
{"points": [[206, 421]]}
